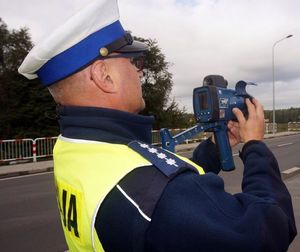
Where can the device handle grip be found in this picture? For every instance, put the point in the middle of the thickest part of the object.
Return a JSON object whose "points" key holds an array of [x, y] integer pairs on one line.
{"points": [[224, 148], [168, 142]]}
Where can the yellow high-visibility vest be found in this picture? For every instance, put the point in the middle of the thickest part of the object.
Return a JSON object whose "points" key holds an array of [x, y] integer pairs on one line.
{"points": [[85, 172]]}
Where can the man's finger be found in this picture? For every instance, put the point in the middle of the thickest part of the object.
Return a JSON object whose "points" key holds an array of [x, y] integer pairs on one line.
{"points": [[230, 124], [251, 108], [239, 115], [259, 108]]}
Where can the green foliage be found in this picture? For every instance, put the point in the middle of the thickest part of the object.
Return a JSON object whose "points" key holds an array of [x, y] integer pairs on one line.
{"points": [[27, 110], [22, 102], [284, 115], [157, 85]]}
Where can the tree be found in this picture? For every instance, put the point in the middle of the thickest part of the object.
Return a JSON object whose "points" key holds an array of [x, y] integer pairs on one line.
{"points": [[284, 115], [157, 85], [22, 102]]}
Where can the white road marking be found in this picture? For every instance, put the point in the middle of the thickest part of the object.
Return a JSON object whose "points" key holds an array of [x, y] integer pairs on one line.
{"points": [[291, 170], [285, 144]]}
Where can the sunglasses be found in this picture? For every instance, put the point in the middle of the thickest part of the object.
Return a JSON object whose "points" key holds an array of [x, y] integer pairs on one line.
{"points": [[137, 60]]}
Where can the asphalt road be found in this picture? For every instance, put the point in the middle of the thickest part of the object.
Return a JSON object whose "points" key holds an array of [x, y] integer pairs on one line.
{"points": [[286, 150], [29, 219]]}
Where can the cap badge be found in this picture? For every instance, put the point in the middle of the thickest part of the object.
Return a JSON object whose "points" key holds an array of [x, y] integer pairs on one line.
{"points": [[103, 52]]}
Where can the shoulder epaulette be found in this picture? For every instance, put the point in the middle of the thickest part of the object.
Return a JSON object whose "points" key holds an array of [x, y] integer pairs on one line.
{"points": [[168, 163]]}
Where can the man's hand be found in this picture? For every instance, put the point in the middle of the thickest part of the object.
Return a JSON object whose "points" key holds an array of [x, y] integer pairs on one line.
{"points": [[233, 133], [252, 128]]}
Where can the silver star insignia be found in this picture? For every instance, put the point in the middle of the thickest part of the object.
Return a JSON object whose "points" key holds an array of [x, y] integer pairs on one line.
{"points": [[161, 155], [171, 161], [152, 150], [144, 146]]}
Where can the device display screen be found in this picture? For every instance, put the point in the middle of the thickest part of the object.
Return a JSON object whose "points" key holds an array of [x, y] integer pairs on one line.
{"points": [[203, 100]]}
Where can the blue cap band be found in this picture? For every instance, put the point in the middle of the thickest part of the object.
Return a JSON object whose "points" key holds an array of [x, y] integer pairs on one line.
{"points": [[79, 55]]}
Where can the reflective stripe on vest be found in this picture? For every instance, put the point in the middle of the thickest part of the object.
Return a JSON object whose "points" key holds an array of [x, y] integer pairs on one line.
{"points": [[85, 172]]}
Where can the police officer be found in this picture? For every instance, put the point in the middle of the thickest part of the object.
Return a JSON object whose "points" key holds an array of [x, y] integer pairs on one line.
{"points": [[117, 192]]}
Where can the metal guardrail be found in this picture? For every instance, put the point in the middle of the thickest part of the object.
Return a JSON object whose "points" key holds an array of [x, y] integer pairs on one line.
{"points": [[269, 128], [14, 150], [33, 149], [294, 126], [43, 147], [156, 137], [26, 149]]}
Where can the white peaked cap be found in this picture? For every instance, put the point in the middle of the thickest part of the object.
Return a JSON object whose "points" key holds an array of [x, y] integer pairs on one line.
{"points": [[77, 42]]}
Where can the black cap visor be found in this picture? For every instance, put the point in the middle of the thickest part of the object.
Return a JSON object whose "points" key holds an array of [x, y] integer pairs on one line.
{"points": [[135, 47], [125, 44]]}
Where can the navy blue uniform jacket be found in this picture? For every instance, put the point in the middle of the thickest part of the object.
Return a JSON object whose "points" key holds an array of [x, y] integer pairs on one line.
{"points": [[193, 213]]}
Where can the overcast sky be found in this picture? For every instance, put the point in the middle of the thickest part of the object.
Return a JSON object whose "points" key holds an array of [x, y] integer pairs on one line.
{"points": [[233, 38]]}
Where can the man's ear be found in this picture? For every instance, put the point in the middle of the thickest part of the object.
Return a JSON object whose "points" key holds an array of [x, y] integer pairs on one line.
{"points": [[100, 76]]}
